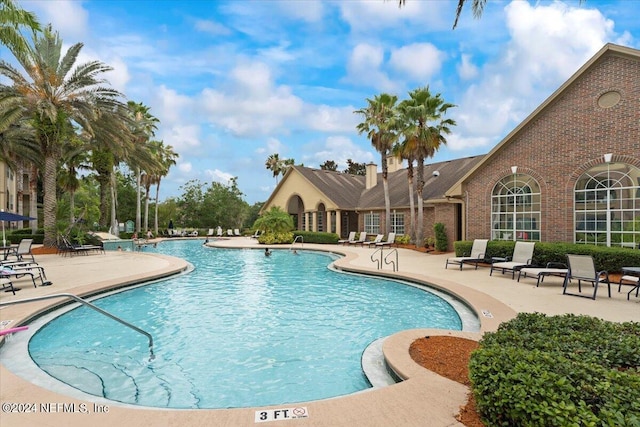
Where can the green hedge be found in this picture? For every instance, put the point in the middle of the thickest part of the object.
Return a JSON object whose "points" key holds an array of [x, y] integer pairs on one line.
{"points": [[15, 236], [558, 371], [317, 237], [605, 258]]}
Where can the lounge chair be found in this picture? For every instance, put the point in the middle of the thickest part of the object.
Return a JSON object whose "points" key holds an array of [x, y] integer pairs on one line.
{"points": [[391, 238], [361, 239], [352, 236], [6, 283], [476, 256], [256, 234], [210, 232], [557, 269], [18, 272], [375, 241], [236, 232], [522, 256], [582, 268], [219, 232], [24, 250], [229, 232], [193, 233]]}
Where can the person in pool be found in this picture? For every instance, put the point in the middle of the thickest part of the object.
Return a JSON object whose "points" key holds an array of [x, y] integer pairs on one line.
{"points": [[267, 252]]}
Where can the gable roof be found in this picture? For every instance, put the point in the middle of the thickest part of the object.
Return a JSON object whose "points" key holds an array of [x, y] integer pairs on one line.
{"points": [[608, 49], [341, 188], [450, 172]]}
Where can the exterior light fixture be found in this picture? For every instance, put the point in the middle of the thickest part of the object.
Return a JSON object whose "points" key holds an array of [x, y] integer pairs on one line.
{"points": [[608, 157]]}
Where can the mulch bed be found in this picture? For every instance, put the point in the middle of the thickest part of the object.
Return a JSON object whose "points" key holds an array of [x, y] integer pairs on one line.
{"points": [[449, 356]]}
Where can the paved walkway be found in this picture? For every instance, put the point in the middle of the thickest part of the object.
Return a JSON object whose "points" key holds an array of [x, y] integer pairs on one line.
{"points": [[423, 399]]}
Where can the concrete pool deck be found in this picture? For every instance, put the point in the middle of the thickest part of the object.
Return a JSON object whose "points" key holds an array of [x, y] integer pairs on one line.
{"points": [[424, 398]]}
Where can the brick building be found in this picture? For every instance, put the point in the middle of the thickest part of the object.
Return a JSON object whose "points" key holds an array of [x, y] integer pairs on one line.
{"points": [[569, 172]]}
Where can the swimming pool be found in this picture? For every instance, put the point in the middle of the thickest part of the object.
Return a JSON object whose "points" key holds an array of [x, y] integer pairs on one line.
{"points": [[240, 330]]}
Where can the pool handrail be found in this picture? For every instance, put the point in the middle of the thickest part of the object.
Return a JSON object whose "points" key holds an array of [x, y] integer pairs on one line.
{"points": [[395, 263], [88, 304]]}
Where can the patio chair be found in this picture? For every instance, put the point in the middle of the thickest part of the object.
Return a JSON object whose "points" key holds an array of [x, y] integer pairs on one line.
{"points": [[229, 232], [628, 280], [557, 269], [476, 256], [352, 236], [18, 272], [236, 232], [522, 256], [391, 238], [582, 268], [24, 250], [361, 239], [6, 283], [375, 241], [210, 232]]}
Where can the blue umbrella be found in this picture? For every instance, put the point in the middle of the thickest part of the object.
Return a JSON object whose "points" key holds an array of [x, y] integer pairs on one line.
{"points": [[10, 216]]}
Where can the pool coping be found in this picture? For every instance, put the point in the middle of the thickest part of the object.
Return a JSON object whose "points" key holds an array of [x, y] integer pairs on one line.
{"points": [[424, 398]]}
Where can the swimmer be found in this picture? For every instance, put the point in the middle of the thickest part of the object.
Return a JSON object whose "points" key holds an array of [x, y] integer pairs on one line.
{"points": [[267, 252]]}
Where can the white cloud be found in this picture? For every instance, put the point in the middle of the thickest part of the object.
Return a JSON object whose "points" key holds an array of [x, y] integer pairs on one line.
{"points": [[420, 61], [212, 27], [66, 16], [331, 119], [466, 69], [364, 68], [338, 149], [218, 176]]}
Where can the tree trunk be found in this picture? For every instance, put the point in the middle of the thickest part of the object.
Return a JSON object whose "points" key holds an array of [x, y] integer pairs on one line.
{"points": [[387, 202], [115, 230], [50, 202], [33, 198], [155, 225], [420, 189], [138, 204], [412, 207], [72, 208]]}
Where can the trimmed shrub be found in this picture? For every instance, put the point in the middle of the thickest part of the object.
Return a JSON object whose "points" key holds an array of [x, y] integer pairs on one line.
{"points": [[558, 371], [441, 237], [274, 238], [317, 237]]}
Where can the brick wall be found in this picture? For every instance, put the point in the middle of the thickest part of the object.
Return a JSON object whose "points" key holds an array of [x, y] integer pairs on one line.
{"points": [[563, 141]]}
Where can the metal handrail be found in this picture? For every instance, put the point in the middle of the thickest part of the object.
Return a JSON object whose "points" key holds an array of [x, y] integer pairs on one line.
{"points": [[377, 261], [295, 240], [395, 264], [88, 304]]}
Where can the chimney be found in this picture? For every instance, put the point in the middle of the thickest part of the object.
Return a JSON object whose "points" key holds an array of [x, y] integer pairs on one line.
{"points": [[393, 164], [372, 175]]}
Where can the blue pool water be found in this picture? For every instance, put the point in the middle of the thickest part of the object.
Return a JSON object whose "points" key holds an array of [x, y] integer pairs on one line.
{"points": [[240, 330]]}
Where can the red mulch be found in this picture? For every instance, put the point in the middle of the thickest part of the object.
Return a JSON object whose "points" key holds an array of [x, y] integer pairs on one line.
{"points": [[449, 356]]}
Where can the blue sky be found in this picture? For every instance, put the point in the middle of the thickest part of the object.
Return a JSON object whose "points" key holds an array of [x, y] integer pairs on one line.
{"points": [[235, 81]]}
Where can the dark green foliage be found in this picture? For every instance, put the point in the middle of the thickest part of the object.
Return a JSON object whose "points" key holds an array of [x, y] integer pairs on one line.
{"points": [[558, 371], [316, 237], [441, 237], [605, 258]]}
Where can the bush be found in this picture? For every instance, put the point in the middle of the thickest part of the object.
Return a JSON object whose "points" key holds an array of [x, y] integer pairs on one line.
{"points": [[317, 237], [605, 258], [558, 371], [403, 239], [441, 237], [274, 238]]}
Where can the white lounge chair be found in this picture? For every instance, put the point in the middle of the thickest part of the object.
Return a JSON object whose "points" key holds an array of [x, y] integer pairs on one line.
{"points": [[476, 256], [553, 269], [229, 232], [391, 238], [582, 268], [522, 257], [210, 232], [236, 232], [375, 241], [352, 236], [361, 239]]}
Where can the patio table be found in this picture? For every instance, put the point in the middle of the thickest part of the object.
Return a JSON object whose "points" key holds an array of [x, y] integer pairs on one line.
{"points": [[631, 274]]}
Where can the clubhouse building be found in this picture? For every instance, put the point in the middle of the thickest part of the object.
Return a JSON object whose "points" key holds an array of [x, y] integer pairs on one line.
{"points": [[570, 172]]}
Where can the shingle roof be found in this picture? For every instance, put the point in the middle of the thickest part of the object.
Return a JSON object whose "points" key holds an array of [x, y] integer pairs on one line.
{"points": [[450, 172], [348, 191], [342, 188]]}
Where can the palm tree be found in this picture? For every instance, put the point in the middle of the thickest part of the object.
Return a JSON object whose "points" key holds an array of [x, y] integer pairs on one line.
{"points": [[73, 158], [144, 128], [11, 19], [404, 150], [379, 119], [53, 93], [423, 126], [274, 164], [167, 158]]}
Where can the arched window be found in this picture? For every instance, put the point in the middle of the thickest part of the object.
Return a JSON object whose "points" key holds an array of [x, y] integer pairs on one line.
{"points": [[607, 206], [515, 208]]}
